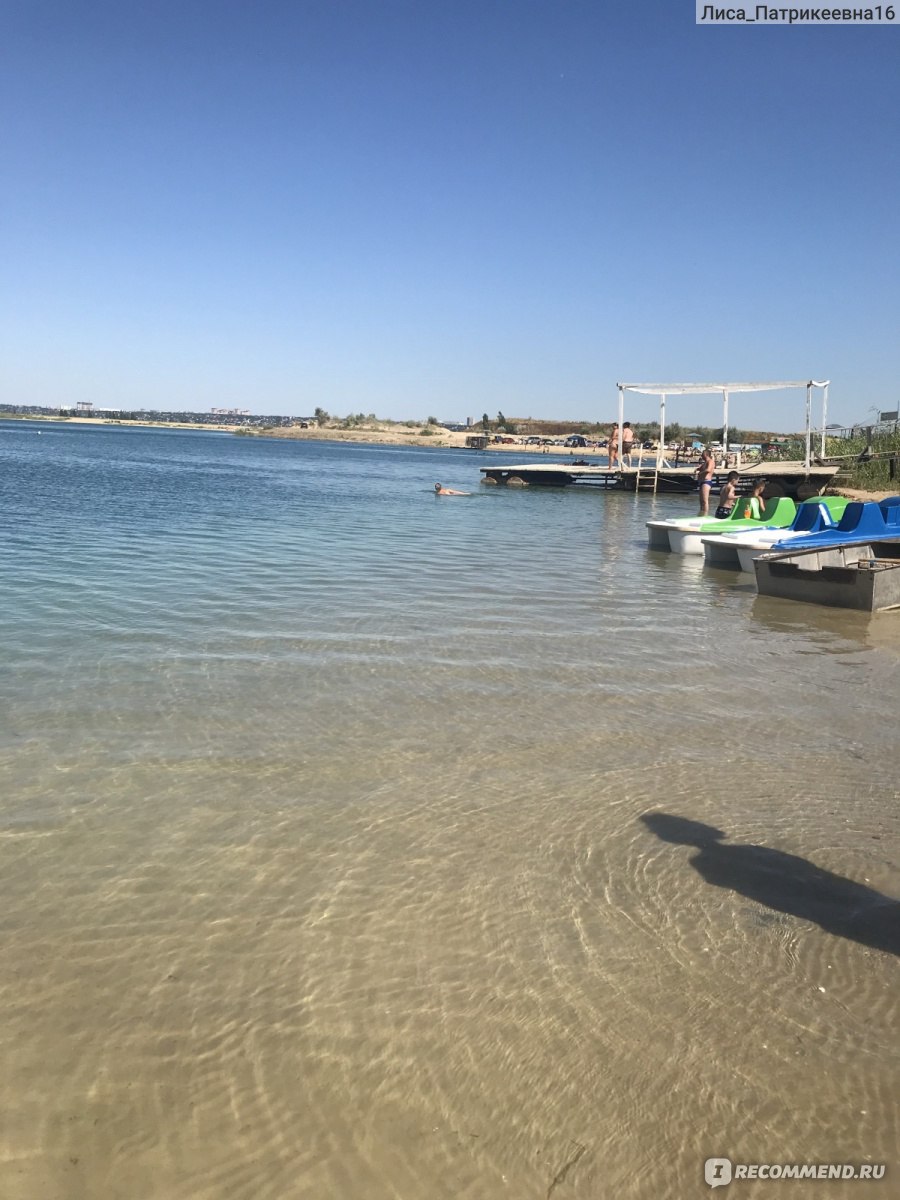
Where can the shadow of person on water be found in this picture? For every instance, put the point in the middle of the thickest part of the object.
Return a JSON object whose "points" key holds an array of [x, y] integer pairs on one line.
{"points": [[786, 883]]}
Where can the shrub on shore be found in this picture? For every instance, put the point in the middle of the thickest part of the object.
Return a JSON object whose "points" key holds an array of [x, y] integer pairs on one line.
{"points": [[870, 462]]}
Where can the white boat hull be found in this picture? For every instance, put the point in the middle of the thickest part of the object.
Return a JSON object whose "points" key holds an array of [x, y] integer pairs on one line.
{"points": [[686, 541], [658, 535], [658, 531], [721, 550], [749, 552]]}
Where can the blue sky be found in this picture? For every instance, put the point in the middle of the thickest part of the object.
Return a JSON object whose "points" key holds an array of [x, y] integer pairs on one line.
{"points": [[443, 209]]}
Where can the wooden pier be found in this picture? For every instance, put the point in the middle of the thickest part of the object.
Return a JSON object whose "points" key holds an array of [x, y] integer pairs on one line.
{"points": [[784, 479]]}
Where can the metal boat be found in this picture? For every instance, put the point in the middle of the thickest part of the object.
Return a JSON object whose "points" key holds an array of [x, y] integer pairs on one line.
{"points": [[854, 565], [858, 575]]}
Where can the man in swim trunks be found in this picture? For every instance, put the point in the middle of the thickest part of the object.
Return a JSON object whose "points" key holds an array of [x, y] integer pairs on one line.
{"points": [[704, 473], [627, 442]]}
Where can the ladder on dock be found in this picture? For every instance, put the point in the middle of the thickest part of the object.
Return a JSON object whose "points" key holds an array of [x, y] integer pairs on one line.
{"points": [[647, 478]]}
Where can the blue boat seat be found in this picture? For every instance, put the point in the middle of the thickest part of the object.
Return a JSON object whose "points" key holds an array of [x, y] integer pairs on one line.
{"points": [[890, 510], [861, 522], [813, 515]]}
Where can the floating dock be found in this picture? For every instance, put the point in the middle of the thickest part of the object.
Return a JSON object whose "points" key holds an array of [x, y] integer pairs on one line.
{"points": [[792, 479]]}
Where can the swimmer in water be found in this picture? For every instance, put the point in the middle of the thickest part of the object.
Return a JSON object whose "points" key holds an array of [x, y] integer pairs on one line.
{"points": [[440, 490]]}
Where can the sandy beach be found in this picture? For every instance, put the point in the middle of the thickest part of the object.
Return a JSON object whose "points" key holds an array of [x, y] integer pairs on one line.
{"points": [[859, 494], [401, 435]]}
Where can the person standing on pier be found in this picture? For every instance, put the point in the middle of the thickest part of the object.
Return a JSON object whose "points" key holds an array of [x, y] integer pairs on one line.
{"points": [[627, 443], [612, 446]]}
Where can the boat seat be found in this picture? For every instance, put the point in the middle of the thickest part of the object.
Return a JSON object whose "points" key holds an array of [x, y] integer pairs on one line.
{"points": [[862, 521], [779, 510], [811, 516], [834, 504], [860, 516]]}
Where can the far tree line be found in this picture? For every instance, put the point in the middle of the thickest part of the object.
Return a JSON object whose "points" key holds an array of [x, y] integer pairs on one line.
{"points": [[644, 431]]}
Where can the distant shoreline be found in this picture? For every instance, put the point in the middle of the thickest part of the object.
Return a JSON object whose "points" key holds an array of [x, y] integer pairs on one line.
{"points": [[445, 439], [114, 421], [393, 436]]}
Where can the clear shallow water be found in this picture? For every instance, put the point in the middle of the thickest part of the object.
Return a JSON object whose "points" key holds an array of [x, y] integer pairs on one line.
{"points": [[324, 870]]}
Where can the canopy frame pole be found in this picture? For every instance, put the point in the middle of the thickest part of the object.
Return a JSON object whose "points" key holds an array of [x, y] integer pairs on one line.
{"points": [[808, 426], [660, 454], [725, 422], [621, 418], [824, 416]]}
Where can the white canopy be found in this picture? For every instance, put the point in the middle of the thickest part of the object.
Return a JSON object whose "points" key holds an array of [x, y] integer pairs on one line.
{"points": [[684, 389]]}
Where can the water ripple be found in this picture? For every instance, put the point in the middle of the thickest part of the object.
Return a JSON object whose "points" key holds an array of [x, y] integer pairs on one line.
{"points": [[327, 853]]}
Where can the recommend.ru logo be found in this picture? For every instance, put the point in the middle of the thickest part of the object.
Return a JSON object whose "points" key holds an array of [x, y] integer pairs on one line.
{"points": [[719, 1171]]}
